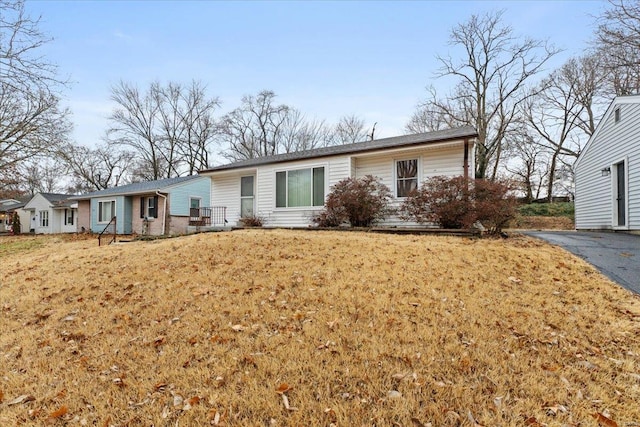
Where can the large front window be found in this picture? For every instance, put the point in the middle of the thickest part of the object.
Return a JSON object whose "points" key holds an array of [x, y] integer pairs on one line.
{"points": [[106, 211], [300, 187], [406, 177]]}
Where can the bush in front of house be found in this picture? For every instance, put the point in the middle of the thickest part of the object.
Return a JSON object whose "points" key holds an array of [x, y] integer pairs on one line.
{"points": [[441, 200], [361, 202], [252, 221], [16, 227], [457, 202]]}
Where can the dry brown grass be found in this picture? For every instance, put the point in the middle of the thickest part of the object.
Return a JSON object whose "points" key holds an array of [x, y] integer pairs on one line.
{"points": [[354, 329]]}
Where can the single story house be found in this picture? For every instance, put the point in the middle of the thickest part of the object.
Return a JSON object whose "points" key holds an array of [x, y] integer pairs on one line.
{"points": [[607, 172], [5, 213], [50, 213], [149, 208], [287, 190]]}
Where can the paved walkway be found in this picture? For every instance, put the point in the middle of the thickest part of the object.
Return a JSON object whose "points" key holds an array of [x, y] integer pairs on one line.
{"points": [[616, 255]]}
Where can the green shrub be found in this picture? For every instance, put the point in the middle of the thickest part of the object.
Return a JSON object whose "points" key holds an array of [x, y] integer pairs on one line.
{"points": [[548, 209]]}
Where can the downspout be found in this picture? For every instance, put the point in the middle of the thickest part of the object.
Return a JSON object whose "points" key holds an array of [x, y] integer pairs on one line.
{"points": [[465, 163], [164, 211]]}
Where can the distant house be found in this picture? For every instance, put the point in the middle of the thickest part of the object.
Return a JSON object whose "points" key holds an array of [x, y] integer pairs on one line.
{"points": [[287, 190], [5, 214], [150, 208], [50, 213], [607, 172]]}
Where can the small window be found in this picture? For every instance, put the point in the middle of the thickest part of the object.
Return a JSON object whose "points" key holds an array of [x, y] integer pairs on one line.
{"points": [[106, 211], [44, 218], [149, 207], [246, 196], [406, 177], [616, 115], [68, 217]]}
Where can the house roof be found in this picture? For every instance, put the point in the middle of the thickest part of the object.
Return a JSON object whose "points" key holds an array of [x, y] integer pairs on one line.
{"points": [[137, 188], [358, 147], [56, 197], [619, 100], [12, 207]]}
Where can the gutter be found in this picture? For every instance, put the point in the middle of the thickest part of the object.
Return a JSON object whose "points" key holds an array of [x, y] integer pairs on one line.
{"points": [[164, 211]]}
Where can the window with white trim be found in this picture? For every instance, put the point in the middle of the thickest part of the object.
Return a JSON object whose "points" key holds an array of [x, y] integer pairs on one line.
{"points": [[68, 217], [300, 188], [406, 177], [149, 207], [44, 218], [106, 211], [246, 196]]}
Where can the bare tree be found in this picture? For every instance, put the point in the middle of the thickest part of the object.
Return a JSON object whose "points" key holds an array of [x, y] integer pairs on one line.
{"points": [[528, 164], [561, 113], [41, 176], [618, 39], [351, 129], [491, 80], [32, 123], [22, 67], [255, 128], [170, 128], [96, 169]]}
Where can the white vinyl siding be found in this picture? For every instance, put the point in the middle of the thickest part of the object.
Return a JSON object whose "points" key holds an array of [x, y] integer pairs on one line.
{"points": [[612, 142], [443, 159]]}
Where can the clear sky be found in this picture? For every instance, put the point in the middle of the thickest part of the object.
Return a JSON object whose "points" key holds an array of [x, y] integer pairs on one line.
{"points": [[369, 58]]}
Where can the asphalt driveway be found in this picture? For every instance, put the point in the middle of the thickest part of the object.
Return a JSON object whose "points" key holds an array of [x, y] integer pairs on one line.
{"points": [[616, 255]]}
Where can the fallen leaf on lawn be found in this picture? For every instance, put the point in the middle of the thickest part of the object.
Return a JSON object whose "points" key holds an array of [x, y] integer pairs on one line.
{"points": [[159, 341], [283, 388], [394, 394], [603, 420], [514, 279], [160, 386], [473, 420], [498, 401], [285, 400], [531, 421], [194, 400], [59, 412], [21, 399], [1, 396], [587, 365], [238, 328]]}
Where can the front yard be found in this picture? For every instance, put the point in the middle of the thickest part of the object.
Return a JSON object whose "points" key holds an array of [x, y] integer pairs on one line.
{"points": [[293, 328]]}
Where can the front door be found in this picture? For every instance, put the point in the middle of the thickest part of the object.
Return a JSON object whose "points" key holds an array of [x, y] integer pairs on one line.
{"points": [[621, 195], [246, 196]]}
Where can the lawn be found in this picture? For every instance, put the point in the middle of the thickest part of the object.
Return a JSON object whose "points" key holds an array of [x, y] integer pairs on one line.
{"points": [[295, 328]]}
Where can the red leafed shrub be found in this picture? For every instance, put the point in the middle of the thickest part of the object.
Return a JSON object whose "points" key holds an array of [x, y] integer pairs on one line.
{"points": [[361, 202], [456, 202], [494, 204]]}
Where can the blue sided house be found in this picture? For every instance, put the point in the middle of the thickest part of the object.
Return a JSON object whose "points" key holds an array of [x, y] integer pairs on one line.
{"points": [[163, 207]]}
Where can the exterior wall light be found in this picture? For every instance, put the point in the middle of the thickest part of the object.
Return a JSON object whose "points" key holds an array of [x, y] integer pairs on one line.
{"points": [[606, 171]]}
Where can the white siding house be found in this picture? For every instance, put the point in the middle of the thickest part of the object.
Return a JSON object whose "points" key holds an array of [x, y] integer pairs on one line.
{"points": [[50, 213], [288, 190], [608, 171]]}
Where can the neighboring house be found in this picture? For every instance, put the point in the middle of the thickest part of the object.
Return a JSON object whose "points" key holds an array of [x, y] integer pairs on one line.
{"points": [[149, 208], [607, 172], [287, 190], [50, 213], [5, 214]]}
